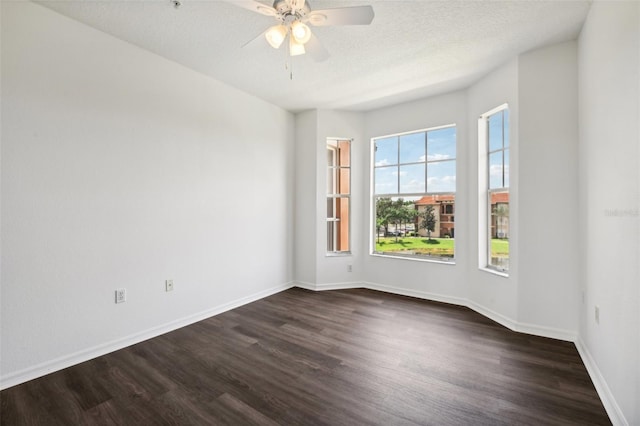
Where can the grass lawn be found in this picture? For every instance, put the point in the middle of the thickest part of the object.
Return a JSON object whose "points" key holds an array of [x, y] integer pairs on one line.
{"points": [[418, 245], [436, 247], [499, 248]]}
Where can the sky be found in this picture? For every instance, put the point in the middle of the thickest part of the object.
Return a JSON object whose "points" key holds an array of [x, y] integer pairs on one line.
{"points": [[498, 161], [401, 167]]}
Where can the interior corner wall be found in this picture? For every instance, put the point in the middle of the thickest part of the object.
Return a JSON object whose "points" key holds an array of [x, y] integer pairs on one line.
{"points": [[121, 169], [548, 289], [305, 191], [334, 270], [609, 191]]}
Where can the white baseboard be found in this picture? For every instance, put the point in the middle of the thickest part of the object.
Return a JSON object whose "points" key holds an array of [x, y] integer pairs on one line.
{"points": [[415, 293], [610, 405], [329, 286], [60, 363], [612, 408]]}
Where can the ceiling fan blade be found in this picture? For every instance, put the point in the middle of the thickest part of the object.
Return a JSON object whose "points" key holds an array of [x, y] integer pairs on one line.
{"points": [[255, 6], [296, 5], [316, 49], [357, 15]]}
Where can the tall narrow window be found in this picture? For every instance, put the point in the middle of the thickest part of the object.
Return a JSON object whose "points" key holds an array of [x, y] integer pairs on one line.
{"points": [[338, 195], [414, 181], [496, 124]]}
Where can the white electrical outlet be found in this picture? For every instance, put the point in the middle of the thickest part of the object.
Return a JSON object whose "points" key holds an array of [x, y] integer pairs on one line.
{"points": [[121, 295], [597, 314], [168, 285], [349, 268]]}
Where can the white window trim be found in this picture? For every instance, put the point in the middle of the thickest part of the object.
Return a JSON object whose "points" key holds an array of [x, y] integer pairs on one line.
{"points": [[335, 196], [373, 196], [484, 218]]}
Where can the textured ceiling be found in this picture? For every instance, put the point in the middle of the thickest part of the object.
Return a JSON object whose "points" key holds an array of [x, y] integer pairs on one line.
{"points": [[411, 50]]}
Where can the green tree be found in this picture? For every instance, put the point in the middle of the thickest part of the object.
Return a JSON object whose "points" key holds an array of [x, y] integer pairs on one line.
{"points": [[428, 220], [384, 213], [408, 214]]}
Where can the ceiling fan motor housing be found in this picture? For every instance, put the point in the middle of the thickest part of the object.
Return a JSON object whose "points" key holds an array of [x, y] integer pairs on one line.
{"points": [[285, 10]]}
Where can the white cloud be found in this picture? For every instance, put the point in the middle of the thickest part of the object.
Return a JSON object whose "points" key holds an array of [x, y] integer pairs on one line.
{"points": [[413, 186], [383, 162], [438, 157], [441, 183], [495, 170]]}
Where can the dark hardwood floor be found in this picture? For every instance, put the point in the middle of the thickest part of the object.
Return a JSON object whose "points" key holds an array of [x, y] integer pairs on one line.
{"points": [[342, 357]]}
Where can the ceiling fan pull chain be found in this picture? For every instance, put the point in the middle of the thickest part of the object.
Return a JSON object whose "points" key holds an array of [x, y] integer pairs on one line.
{"points": [[291, 70]]}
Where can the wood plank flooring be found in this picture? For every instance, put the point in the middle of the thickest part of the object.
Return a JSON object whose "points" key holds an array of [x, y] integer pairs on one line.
{"points": [[346, 357]]}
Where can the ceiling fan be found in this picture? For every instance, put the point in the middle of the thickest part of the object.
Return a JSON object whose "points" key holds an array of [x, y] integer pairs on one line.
{"points": [[293, 17]]}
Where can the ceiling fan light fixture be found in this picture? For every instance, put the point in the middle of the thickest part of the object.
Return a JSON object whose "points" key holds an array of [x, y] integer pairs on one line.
{"points": [[276, 35], [300, 32], [295, 49]]}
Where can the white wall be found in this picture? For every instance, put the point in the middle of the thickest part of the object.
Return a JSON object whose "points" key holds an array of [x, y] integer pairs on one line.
{"points": [[314, 269], [493, 294], [609, 159], [122, 169], [348, 125], [306, 208], [548, 290], [428, 279]]}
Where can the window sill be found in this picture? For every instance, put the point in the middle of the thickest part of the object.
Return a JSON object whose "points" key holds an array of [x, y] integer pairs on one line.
{"points": [[495, 272], [338, 254], [414, 258]]}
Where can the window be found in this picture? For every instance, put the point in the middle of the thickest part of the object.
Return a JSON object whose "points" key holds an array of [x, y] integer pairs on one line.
{"points": [[496, 138], [338, 195], [414, 181]]}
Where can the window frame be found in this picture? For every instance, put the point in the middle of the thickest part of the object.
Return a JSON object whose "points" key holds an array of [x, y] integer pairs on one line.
{"points": [[399, 194], [485, 207], [336, 194]]}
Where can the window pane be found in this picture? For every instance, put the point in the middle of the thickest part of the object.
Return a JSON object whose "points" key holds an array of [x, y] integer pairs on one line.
{"points": [[441, 144], [331, 226], [386, 151], [412, 178], [441, 176], [386, 180], [331, 156], [342, 225], [499, 230], [506, 168], [331, 179], [342, 186], [495, 170], [412, 148], [345, 154], [495, 131], [330, 208], [422, 231]]}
